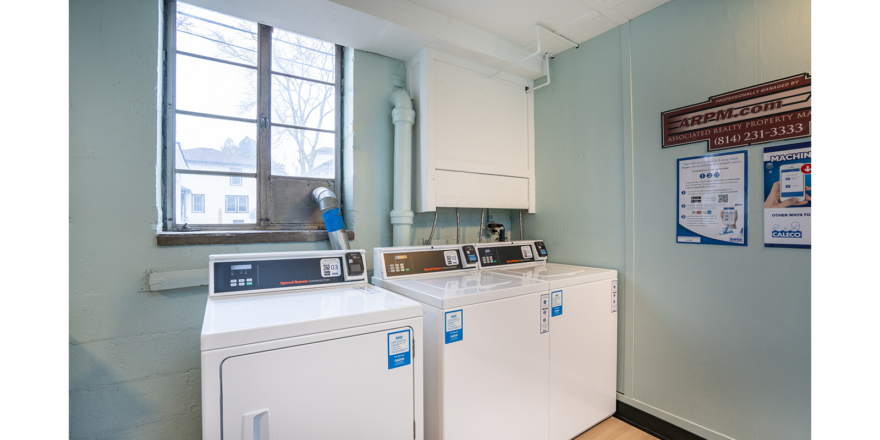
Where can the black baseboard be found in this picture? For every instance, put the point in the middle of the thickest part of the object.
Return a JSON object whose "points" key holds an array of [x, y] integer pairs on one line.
{"points": [[652, 425]]}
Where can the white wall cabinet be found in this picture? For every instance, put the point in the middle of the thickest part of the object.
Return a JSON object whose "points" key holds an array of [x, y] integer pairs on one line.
{"points": [[474, 136]]}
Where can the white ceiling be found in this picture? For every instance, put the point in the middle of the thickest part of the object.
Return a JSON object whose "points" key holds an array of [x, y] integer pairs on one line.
{"points": [[492, 32]]}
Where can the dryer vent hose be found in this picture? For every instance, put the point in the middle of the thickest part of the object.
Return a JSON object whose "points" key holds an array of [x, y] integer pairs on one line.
{"points": [[329, 206]]}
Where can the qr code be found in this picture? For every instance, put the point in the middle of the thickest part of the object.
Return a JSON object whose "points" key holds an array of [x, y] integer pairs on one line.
{"points": [[330, 267], [722, 198]]}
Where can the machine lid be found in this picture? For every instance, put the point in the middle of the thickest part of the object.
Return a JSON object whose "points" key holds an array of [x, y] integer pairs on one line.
{"points": [[462, 288], [238, 320], [558, 275]]}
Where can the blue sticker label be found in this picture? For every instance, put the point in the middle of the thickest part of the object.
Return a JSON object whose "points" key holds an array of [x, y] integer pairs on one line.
{"points": [[454, 326], [556, 303], [333, 220], [399, 349]]}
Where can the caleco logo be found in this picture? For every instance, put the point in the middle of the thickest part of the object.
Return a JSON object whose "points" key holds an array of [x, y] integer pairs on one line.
{"points": [[794, 231]]}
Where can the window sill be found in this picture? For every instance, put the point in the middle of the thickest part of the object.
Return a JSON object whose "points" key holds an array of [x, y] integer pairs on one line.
{"points": [[240, 237]]}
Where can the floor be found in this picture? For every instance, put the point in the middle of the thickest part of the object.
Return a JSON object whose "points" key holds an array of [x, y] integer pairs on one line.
{"points": [[615, 429]]}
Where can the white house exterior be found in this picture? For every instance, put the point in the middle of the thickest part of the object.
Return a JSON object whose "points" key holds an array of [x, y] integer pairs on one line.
{"points": [[214, 199]]}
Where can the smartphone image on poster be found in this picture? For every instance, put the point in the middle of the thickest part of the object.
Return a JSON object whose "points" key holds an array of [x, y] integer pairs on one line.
{"points": [[791, 182]]}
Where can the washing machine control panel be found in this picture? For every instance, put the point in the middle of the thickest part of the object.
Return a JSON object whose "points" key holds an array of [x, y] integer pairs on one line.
{"points": [[421, 261], [491, 256], [256, 274]]}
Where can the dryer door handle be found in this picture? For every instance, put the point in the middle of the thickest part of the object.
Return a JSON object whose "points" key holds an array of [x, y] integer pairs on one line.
{"points": [[255, 426]]}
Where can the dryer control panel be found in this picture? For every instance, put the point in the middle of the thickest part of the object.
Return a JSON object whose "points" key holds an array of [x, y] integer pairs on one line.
{"points": [[251, 273]]}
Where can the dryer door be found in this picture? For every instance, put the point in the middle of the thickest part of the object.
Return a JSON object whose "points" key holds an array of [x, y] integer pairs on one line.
{"points": [[355, 387]]}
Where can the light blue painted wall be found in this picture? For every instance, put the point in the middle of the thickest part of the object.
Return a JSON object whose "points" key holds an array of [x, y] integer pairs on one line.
{"points": [[134, 355], [369, 137], [579, 160], [716, 339]]}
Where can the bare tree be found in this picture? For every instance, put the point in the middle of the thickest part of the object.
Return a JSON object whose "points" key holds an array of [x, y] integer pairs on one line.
{"points": [[294, 102]]}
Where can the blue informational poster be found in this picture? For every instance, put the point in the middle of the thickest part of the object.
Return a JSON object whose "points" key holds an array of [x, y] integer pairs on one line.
{"points": [[454, 326], [399, 349], [787, 202], [712, 199], [556, 300]]}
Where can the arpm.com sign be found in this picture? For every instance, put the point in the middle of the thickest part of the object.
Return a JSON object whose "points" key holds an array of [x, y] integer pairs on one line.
{"points": [[767, 112]]}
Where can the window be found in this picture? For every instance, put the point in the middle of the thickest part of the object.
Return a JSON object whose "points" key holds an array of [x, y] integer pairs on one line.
{"points": [[198, 203], [236, 204], [252, 104], [235, 180]]}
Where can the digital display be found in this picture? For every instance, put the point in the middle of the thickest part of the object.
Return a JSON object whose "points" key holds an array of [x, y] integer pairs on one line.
{"points": [[241, 267], [355, 267]]}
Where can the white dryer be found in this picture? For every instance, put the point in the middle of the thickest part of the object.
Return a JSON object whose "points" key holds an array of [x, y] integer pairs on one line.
{"points": [[297, 345], [487, 349], [583, 332]]}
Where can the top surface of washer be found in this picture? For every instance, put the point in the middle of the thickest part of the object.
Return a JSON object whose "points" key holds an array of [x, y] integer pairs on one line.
{"points": [[462, 288], [558, 275]]}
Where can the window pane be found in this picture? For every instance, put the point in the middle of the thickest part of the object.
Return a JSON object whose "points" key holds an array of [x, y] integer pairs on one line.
{"points": [[219, 89], [198, 203], [216, 192], [208, 144], [216, 35], [299, 55], [242, 204], [303, 103], [303, 153]]}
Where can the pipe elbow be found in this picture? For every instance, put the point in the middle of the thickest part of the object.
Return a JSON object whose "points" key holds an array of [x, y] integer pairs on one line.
{"points": [[400, 99], [325, 198]]}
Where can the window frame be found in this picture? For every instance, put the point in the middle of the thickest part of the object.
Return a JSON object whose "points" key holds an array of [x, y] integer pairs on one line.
{"points": [[236, 203], [193, 196], [264, 124]]}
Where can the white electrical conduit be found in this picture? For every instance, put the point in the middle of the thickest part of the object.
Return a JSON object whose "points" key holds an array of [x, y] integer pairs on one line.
{"points": [[546, 69], [403, 116], [538, 27]]}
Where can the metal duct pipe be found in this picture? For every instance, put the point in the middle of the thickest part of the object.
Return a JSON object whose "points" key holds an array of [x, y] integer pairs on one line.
{"points": [[431, 237], [457, 227], [329, 206], [482, 215], [403, 116]]}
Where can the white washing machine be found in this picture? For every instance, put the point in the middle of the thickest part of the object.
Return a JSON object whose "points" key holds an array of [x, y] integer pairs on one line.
{"points": [[487, 347], [583, 332], [297, 345]]}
